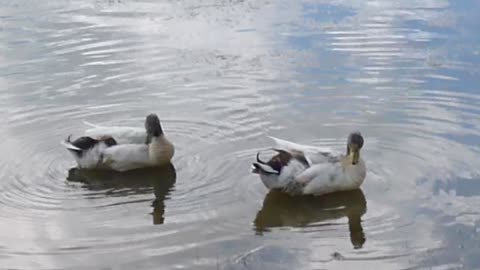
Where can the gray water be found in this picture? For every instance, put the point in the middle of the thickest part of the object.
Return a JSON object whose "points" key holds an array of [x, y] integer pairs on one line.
{"points": [[222, 75]]}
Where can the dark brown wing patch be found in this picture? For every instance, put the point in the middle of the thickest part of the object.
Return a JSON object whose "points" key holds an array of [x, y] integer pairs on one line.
{"points": [[85, 143], [108, 140], [280, 160], [283, 158]]}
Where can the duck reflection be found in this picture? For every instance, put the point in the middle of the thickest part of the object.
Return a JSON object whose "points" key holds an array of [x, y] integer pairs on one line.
{"points": [[280, 209], [138, 181]]}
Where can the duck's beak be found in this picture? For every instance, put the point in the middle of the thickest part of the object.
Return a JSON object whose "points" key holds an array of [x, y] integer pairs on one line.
{"points": [[355, 153], [262, 167]]}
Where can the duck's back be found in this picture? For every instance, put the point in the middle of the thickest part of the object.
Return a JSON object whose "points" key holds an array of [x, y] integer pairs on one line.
{"points": [[123, 135], [313, 154]]}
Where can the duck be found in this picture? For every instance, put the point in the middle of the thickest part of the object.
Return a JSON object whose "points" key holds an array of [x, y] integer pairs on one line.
{"points": [[104, 150], [299, 169]]}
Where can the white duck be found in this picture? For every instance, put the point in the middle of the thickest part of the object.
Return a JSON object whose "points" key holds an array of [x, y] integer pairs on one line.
{"points": [[301, 169], [102, 150]]}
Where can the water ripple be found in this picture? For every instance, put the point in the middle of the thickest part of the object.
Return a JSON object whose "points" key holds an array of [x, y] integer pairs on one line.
{"points": [[222, 76]]}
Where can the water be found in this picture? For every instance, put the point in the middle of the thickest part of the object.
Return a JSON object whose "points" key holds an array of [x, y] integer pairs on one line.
{"points": [[222, 75]]}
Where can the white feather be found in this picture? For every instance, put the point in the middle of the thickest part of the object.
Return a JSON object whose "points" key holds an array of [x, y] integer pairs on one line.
{"points": [[266, 168], [69, 146], [291, 146]]}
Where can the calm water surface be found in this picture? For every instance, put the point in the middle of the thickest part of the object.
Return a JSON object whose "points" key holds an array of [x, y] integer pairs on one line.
{"points": [[222, 75]]}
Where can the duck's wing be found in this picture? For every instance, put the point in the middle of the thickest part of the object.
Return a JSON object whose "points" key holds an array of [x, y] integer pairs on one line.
{"points": [[126, 157], [320, 172], [123, 135], [313, 154], [324, 178]]}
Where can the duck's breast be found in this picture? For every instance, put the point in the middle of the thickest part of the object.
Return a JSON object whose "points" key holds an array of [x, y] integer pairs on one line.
{"points": [[160, 150]]}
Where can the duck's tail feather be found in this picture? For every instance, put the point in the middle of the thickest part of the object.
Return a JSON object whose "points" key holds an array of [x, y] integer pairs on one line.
{"points": [[283, 144], [263, 169], [67, 143]]}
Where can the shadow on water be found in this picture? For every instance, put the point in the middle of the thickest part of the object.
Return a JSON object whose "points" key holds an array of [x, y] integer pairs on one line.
{"points": [[282, 210], [139, 181]]}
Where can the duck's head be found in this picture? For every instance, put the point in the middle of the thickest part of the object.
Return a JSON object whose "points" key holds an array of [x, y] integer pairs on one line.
{"points": [[274, 165], [152, 126], [279, 161], [354, 144], [280, 168]]}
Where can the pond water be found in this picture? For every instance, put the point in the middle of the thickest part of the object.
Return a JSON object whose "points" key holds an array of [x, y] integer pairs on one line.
{"points": [[222, 75]]}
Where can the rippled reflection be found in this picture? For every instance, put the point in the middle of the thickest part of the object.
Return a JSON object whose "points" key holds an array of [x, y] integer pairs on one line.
{"points": [[282, 210], [160, 180], [222, 75]]}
